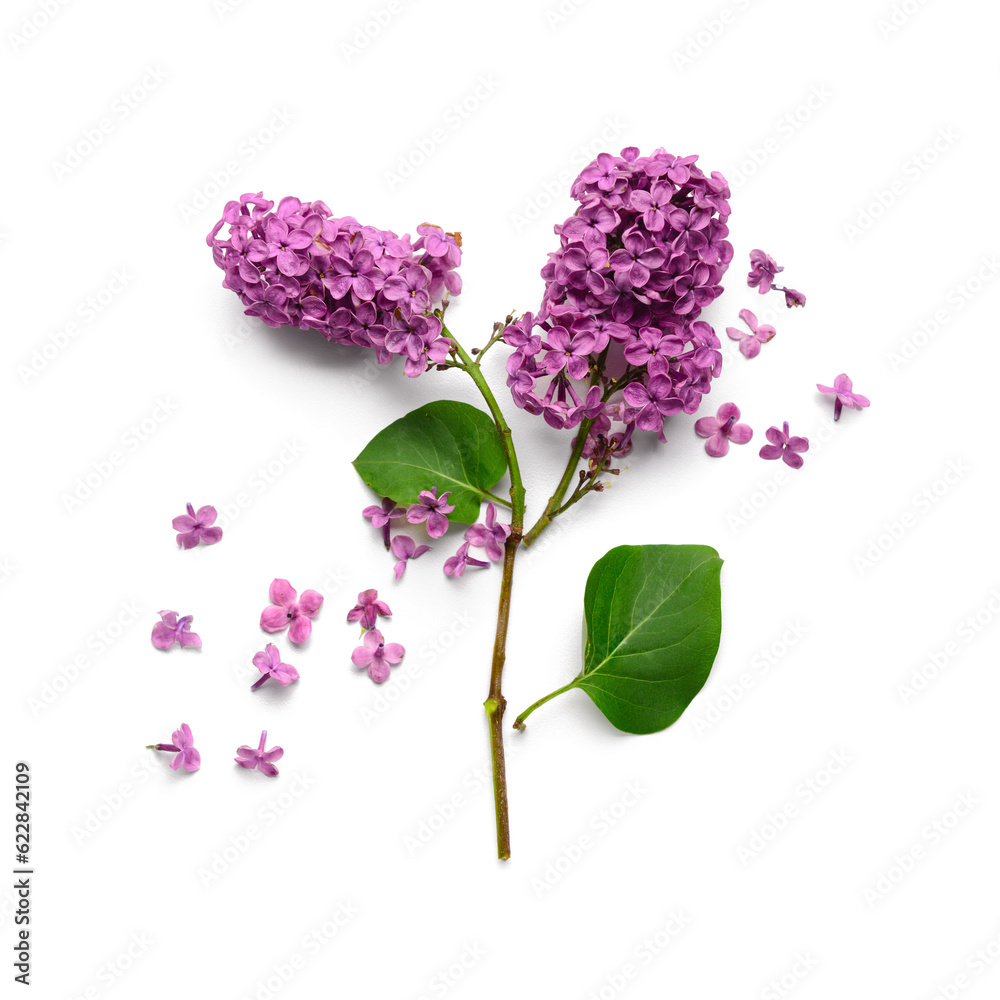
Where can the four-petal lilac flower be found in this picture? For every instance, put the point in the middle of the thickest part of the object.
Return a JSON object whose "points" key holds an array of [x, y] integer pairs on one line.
{"points": [[381, 514], [433, 509], [183, 745], [763, 268], [404, 548], [490, 536], [455, 565], [288, 610], [261, 759], [750, 343], [377, 655], [721, 429], [786, 448], [368, 609], [842, 388], [268, 662], [194, 527], [173, 629]]}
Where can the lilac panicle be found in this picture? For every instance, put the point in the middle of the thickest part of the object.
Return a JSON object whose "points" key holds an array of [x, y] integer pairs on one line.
{"points": [[299, 265], [640, 258]]}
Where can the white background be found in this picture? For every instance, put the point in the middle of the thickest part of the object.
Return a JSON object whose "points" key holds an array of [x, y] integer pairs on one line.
{"points": [[817, 114]]}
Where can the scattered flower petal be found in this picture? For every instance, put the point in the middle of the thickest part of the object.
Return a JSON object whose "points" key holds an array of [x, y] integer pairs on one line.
{"points": [[763, 268], [842, 388], [197, 526], [432, 509], [381, 514], [183, 745], [455, 565], [368, 609], [404, 548], [174, 630], [721, 429], [260, 758], [377, 655], [268, 662], [490, 536], [288, 610], [750, 343], [788, 449]]}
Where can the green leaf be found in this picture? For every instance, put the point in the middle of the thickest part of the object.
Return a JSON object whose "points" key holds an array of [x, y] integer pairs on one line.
{"points": [[654, 618], [447, 444]]}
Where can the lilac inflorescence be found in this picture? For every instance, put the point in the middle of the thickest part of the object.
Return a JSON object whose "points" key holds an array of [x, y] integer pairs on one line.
{"points": [[299, 266], [637, 262]]}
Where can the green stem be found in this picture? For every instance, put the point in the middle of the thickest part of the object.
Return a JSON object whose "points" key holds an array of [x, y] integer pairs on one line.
{"points": [[519, 721], [495, 702], [552, 507]]}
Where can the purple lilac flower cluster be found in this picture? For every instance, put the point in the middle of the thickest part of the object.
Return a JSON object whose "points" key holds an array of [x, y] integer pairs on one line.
{"points": [[299, 266], [638, 260]]}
